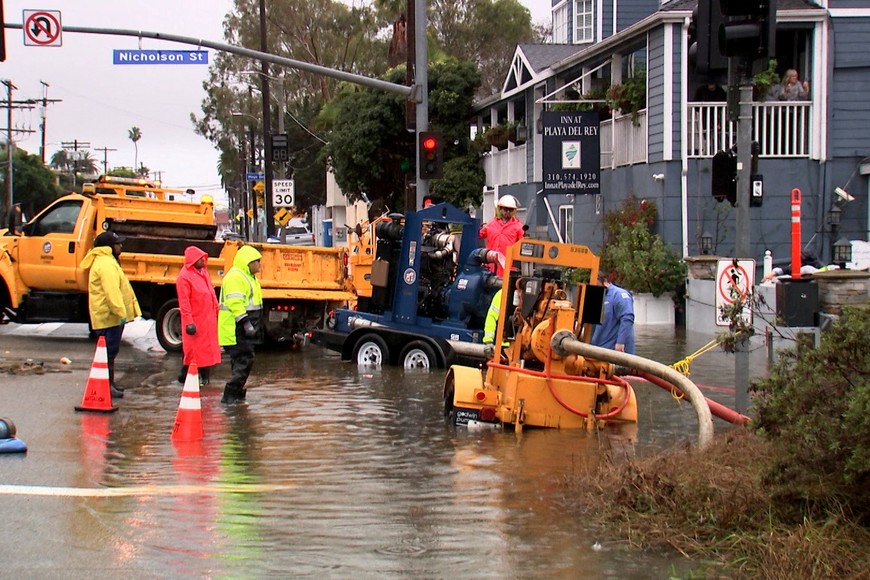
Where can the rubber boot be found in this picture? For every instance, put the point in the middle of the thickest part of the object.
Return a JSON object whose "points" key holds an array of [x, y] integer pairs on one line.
{"points": [[204, 374], [182, 376], [233, 395]]}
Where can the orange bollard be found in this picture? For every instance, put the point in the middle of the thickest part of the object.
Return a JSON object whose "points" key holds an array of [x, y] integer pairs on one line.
{"points": [[98, 392], [188, 420], [796, 234]]}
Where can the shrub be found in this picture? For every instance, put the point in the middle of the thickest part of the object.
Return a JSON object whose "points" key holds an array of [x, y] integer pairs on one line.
{"points": [[638, 258], [815, 407]]}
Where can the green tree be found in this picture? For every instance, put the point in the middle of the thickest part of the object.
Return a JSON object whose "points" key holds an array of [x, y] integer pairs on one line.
{"points": [[369, 144], [135, 134], [33, 184]]}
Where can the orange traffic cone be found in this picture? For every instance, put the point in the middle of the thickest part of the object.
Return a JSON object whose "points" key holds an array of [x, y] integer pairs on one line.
{"points": [[98, 392], [188, 420]]}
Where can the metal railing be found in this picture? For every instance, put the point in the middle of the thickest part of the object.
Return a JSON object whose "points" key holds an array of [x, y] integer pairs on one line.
{"points": [[782, 129]]}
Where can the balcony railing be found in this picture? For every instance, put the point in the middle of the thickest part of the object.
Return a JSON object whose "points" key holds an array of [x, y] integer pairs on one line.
{"points": [[623, 142], [782, 129], [506, 166]]}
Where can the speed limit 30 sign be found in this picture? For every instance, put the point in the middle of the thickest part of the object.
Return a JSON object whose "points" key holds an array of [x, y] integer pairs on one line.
{"points": [[283, 193]]}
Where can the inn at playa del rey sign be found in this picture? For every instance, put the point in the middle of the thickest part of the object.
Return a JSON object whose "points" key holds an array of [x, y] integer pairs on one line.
{"points": [[572, 160]]}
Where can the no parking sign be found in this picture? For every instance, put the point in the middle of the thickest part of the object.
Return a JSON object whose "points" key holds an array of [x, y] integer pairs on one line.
{"points": [[734, 281]]}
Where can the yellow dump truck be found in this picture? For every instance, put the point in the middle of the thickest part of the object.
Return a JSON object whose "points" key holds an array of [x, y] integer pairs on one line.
{"points": [[40, 278]]}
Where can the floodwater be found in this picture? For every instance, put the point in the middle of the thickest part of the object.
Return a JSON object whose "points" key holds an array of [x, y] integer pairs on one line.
{"points": [[333, 470]]}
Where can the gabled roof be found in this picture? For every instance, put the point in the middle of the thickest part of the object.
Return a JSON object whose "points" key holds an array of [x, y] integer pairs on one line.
{"points": [[530, 60], [541, 56]]}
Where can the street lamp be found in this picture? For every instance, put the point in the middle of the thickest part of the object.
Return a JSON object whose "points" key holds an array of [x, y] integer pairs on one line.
{"points": [[842, 252], [706, 243]]}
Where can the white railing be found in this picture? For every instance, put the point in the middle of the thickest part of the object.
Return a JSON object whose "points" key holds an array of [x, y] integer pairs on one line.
{"points": [[782, 129], [505, 167], [623, 141]]}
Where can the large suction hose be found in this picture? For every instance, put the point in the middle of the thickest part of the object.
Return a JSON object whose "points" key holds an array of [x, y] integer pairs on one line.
{"points": [[564, 342]]}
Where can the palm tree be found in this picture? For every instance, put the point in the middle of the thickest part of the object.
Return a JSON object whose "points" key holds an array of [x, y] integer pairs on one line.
{"points": [[135, 134]]}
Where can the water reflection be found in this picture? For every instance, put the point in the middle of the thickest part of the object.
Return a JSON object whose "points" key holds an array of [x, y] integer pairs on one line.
{"points": [[366, 479]]}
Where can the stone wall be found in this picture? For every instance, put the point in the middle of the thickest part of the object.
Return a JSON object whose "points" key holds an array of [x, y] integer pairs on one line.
{"points": [[839, 288]]}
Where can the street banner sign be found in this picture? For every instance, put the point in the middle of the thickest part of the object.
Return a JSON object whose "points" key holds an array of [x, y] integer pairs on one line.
{"points": [[42, 28], [735, 280], [121, 56], [283, 193], [571, 152]]}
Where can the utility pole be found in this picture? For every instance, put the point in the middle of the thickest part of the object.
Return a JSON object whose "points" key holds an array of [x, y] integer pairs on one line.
{"points": [[74, 146], [105, 151], [267, 126], [9, 146], [45, 101]]}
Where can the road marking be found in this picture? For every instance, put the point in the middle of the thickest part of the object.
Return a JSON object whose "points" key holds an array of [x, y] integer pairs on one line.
{"points": [[136, 490]]}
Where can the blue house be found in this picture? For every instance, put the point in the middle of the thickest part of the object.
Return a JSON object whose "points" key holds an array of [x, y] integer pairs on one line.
{"points": [[664, 150]]}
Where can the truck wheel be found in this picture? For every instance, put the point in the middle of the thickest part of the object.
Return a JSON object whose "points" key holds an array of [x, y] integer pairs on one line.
{"points": [[168, 326], [418, 355], [371, 350], [449, 390]]}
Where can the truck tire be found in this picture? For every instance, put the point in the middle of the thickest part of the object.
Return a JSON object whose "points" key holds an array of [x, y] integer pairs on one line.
{"points": [[168, 326], [371, 350], [418, 355]]}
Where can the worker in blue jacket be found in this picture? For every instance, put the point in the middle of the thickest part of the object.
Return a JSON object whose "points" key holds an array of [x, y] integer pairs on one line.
{"points": [[617, 330]]}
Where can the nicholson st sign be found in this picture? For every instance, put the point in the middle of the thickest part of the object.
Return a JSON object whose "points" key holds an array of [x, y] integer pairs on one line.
{"points": [[160, 57]]}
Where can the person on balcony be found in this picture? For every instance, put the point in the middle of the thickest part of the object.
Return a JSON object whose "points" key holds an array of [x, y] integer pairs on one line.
{"points": [[710, 92], [791, 88]]}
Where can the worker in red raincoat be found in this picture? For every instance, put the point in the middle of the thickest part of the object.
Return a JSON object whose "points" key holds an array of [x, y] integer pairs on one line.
{"points": [[504, 230], [199, 314]]}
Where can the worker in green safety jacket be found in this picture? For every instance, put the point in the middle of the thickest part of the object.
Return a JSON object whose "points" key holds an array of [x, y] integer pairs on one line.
{"points": [[239, 318], [491, 324]]}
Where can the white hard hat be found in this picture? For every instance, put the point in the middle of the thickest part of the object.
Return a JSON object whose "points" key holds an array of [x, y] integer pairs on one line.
{"points": [[507, 201]]}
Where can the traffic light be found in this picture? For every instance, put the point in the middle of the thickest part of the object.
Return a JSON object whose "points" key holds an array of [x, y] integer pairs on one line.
{"points": [[431, 164], [704, 30], [748, 28], [724, 182]]}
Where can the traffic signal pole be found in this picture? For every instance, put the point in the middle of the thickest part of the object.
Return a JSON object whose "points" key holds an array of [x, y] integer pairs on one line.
{"points": [[421, 86], [742, 246]]}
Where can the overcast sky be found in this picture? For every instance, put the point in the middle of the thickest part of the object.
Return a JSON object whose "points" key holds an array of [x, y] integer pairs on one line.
{"points": [[99, 102]]}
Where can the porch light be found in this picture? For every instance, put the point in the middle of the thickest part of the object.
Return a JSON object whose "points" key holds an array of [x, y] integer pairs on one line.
{"points": [[834, 215], [706, 243], [842, 252]]}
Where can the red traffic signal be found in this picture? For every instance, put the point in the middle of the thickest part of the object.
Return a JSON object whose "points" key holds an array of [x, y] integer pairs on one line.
{"points": [[431, 160]]}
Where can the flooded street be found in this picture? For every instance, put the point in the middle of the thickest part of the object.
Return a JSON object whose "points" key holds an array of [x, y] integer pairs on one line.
{"points": [[337, 471]]}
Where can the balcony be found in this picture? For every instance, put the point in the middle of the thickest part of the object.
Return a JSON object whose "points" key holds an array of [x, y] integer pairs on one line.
{"points": [[782, 129], [505, 167], [623, 141]]}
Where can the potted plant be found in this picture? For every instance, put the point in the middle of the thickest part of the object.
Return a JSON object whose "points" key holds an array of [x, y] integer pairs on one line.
{"points": [[499, 135], [639, 259], [763, 81], [629, 97]]}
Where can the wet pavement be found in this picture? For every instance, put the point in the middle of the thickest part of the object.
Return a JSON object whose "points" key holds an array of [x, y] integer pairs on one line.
{"points": [[330, 470]]}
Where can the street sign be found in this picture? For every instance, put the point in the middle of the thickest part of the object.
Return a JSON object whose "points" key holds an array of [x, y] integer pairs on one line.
{"points": [[255, 176], [283, 193], [42, 28], [120, 56], [260, 187], [280, 147], [735, 280], [282, 216]]}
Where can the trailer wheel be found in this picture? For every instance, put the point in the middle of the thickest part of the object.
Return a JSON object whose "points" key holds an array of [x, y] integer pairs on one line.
{"points": [[449, 391], [418, 355], [371, 350], [168, 326]]}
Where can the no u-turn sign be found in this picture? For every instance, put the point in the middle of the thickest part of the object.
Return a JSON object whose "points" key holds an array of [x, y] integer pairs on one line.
{"points": [[42, 28]]}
